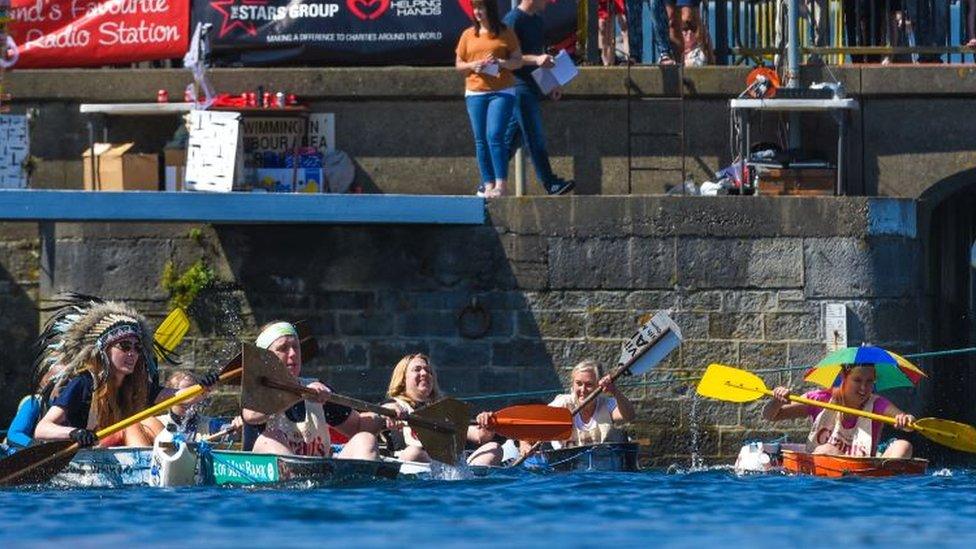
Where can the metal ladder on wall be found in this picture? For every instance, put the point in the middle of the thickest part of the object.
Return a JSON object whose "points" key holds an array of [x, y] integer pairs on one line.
{"points": [[673, 76]]}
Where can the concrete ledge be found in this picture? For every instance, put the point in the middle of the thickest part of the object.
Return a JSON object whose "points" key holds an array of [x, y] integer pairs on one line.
{"points": [[37, 205], [723, 216], [140, 85]]}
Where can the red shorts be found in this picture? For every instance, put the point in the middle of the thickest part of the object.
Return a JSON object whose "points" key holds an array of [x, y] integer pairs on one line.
{"points": [[603, 8]]}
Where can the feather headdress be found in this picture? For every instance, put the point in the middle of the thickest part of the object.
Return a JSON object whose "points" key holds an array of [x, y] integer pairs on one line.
{"points": [[81, 329]]}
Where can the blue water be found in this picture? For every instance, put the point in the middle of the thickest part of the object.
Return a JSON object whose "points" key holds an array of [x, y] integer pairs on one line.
{"points": [[711, 508]]}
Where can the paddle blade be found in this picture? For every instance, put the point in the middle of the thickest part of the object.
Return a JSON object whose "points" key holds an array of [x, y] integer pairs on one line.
{"points": [[310, 349], [36, 464], [260, 365], [654, 341], [444, 447], [170, 332], [730, 384], [534, 422], [953, 434]]}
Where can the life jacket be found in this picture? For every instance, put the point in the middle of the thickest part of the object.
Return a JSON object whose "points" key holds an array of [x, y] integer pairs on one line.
{"points": [[828, 428], [599, 429], [310, 435]]}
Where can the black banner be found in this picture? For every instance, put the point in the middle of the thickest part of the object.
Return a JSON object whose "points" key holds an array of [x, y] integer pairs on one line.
{"points": [[349, 32]]}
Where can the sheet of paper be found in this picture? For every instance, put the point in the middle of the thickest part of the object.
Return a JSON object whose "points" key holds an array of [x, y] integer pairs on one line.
{"points": [[564, 70], [490, 69], [214, 151], [14, 148]]}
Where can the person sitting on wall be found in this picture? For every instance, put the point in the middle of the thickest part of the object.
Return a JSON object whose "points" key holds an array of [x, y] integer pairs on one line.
{"points": [[835, 433], [413, 384], [303, 429]]}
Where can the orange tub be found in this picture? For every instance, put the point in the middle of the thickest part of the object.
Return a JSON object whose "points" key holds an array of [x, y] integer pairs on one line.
{"points": [[823, 465]]}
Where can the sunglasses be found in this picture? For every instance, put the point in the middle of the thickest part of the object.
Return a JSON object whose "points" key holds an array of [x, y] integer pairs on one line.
{"points": [[128, 346]]}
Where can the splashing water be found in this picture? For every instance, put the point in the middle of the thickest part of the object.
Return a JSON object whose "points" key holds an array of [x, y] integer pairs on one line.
{"points": [[697, 462]]}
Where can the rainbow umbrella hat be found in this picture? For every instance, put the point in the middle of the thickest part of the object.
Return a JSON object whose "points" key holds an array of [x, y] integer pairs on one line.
{"points": [[892, 370]]}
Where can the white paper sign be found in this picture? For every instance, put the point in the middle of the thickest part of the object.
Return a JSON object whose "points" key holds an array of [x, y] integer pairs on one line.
{"points": [[214, 155], [321, 131], [835, 326], [14, 148]]}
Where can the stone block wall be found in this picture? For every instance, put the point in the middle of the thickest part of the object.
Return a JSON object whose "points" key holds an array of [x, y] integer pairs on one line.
{"points": [[19, 253], [545, 284]]}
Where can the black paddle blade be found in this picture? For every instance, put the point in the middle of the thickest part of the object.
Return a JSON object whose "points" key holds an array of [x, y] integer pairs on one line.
{"points": [[440, 446], [260, 365], [36, 464], [310, 349]]}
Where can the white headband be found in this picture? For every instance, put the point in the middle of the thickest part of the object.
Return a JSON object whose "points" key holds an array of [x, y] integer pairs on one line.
{"points": [[273, 332]]}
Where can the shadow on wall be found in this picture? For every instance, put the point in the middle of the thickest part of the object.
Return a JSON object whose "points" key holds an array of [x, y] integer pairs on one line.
{"points": [[18, 328], [948, 217], [374, 294]]}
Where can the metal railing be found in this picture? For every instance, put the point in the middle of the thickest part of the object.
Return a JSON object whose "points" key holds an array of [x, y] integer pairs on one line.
{"points": [[750, 31]]}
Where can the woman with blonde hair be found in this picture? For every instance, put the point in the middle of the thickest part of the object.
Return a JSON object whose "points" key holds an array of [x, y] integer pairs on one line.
{"points": [[595, 423], [413, 385]]}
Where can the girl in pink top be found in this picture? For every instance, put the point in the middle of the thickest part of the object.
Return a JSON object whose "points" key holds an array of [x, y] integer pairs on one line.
{"points": [[841, 437]]}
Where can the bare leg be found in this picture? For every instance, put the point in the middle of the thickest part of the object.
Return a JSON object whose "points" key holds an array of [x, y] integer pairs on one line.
{"points": [[271, 442], [826, 449], [361, 446], [898, 449], [674, 32], [413, 453], [138, 435], [489, 453], [624, 34], [605, 41]]}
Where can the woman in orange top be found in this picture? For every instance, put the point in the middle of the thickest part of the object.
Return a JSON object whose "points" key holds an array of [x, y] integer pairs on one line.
{"points": [[487, 53]]}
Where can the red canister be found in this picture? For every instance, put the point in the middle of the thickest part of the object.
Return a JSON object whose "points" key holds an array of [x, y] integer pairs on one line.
{"points": [[162, 96]]}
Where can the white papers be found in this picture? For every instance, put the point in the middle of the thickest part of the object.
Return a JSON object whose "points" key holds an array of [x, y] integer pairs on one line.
{"points": [[491, 69], [14, 147], [214, 155], [558, 75]]}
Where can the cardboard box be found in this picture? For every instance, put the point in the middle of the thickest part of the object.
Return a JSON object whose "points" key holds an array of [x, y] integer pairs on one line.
{"points": [[798, 182], [174, 168], [307, 180], [118, 169]]}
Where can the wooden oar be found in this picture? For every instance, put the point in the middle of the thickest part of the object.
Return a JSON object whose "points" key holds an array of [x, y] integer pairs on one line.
{"points": [[37, 464], [639, 354], [734, 385], [171, 331]]}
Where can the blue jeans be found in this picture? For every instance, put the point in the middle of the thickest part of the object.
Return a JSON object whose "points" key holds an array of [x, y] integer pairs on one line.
{"points": [[660, 41], [526, 125], [489, 114], [929, 21]]}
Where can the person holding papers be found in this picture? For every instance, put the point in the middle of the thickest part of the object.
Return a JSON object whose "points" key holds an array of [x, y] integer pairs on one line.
{"points": [[487, 53], [526, 123]]}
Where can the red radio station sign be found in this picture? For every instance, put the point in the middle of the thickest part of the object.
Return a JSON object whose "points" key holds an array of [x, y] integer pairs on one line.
{"points": [[80, 33]]}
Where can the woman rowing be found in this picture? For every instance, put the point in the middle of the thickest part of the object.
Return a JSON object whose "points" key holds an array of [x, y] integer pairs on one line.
{"points": [[413, 385], [597, 421], [108, 372], [303, 429], [840, 434]]}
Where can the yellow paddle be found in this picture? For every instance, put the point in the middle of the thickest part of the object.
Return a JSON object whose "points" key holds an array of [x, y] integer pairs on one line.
{"points": [[170, 332], [734, 385]]}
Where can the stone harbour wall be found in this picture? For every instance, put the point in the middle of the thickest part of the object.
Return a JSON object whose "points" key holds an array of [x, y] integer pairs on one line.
{"points": [[511, 306]]}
